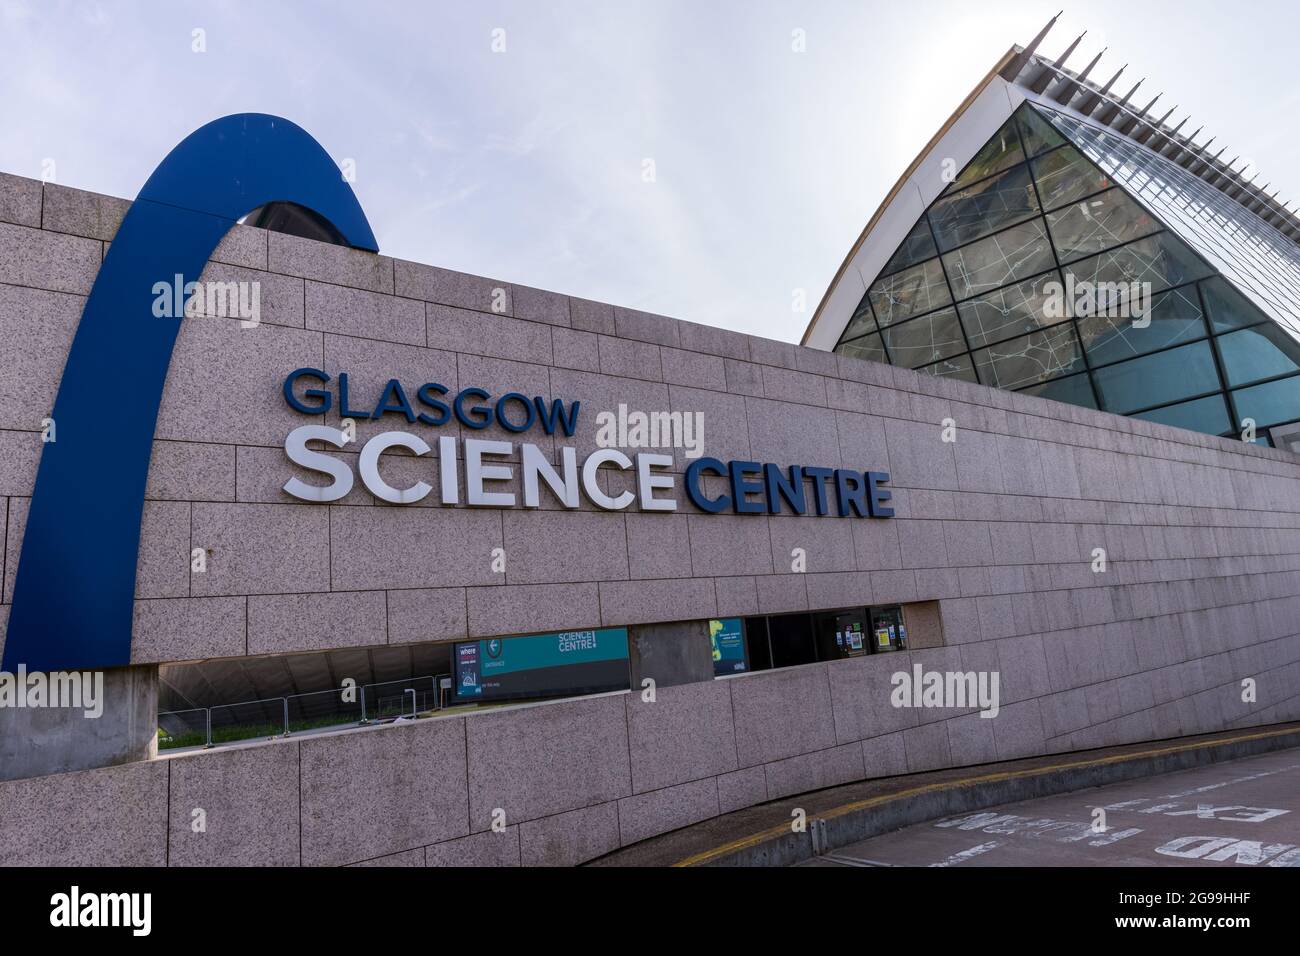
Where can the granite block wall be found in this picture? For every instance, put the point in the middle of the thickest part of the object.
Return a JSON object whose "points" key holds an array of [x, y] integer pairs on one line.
{"points": [[1000, 527], [568, 781]]}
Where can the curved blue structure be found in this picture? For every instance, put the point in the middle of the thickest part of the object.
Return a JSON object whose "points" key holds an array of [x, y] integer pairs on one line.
{"points": [[74, 593]]}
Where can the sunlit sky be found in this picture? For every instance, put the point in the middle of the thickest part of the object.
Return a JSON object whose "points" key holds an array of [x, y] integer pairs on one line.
{"points": [[528, 164]]}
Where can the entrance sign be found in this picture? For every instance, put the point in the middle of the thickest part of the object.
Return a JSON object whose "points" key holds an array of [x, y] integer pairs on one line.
{"points": [[561, 663], [750, 487]]}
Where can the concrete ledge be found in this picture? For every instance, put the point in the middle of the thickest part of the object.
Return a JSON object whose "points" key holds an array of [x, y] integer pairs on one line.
{"points": [[844, 815]]}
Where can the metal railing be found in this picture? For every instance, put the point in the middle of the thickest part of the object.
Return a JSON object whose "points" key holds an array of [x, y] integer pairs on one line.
{"points": [[283, 716]]}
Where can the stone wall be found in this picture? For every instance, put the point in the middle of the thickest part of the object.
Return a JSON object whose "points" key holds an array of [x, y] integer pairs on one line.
{"points": [[576, 779], [1202, 586]]}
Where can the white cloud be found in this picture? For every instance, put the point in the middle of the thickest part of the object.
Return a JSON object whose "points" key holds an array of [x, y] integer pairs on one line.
{"points": [[526, 165]]}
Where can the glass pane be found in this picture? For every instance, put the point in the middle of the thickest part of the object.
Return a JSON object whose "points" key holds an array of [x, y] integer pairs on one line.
{"points": [[1017, 253], [1160, 260], [986, 207], [868, 347], [1014, 310], [910, 292], [1175, 317], [999, 153], [1037, 133], [1270, 404], [1075, 390], [1264, 351], [917, 247], [1157, 379], [922, 341], [1031, 359], [1102, 222], [1065, 176], [861, 323], [1208, 415], [1258, 259], [957, 367], [1229, 309]]}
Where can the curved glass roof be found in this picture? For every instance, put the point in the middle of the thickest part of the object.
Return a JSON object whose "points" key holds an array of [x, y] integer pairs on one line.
{"points": [[1241, 246], [1073, 264]]}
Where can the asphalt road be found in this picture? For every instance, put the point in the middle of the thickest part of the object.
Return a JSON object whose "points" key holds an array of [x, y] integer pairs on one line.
{"points": [[1238, 813]]}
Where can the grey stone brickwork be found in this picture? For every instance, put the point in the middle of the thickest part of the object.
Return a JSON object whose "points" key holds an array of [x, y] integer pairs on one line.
{"points": [[1202, 588]]}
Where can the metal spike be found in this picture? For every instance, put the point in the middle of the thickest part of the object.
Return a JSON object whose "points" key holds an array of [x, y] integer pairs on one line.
{"points": [[1136, 118], [1060, 61], [1213, 164], [1236, 184], [1207, 162], [1113, 109], [1169, 140], [1196, 160], [1072, 86], [1087, 70], [1021, 59], [1097, 96], [1179, 145], [1129, 94], [1047, 74], [1156, 130], [1111, 82]]}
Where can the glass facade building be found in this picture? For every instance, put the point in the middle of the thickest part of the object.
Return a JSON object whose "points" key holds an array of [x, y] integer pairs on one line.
{"points": [[1069, 262]]}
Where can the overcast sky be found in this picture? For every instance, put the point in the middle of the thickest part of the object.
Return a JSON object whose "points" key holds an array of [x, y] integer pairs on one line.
{"points": [[528, 165]]}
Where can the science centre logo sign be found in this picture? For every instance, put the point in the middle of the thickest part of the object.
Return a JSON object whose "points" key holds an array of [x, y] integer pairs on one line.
{"points": [[73, 599], [748, 487]]}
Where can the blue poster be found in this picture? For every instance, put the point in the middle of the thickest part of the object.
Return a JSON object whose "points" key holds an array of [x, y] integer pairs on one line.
{"points": [[728, 639]]}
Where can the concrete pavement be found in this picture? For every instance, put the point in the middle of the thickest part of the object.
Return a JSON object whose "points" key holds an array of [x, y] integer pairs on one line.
{"points": [[794, 829], [1239, 813]]}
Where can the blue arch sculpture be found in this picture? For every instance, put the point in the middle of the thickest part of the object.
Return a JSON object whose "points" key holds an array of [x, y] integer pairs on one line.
{"points": [[74, 594]]}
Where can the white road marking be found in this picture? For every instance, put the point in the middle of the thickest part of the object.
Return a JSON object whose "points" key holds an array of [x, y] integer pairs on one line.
{"points": [[1221, 849], [1229, 783], [1064, 831], [965, 855], [844, 860], [1186, 850]]}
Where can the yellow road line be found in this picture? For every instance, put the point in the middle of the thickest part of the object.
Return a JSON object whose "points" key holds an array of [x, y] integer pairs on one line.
{"points": [[784, 828]]}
